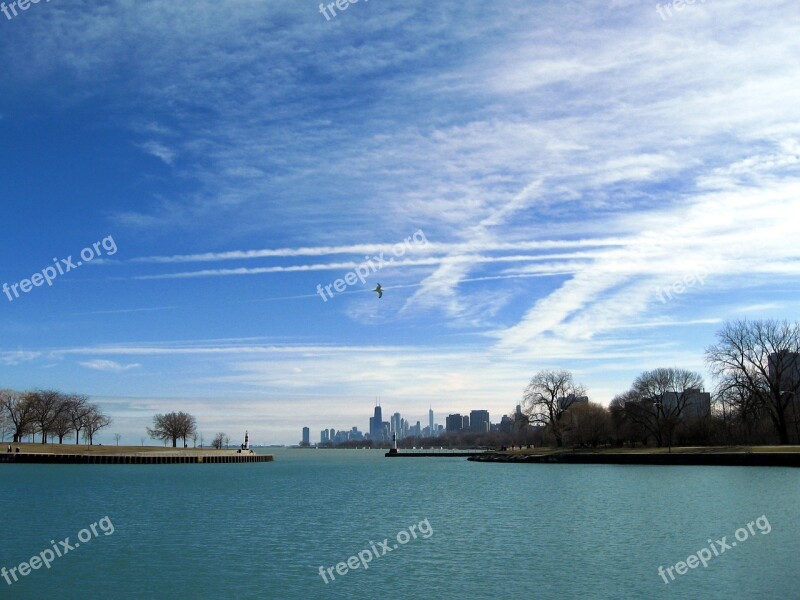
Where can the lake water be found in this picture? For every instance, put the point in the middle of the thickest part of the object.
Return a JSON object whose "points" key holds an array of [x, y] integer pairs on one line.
{"points": [[516, 531]]}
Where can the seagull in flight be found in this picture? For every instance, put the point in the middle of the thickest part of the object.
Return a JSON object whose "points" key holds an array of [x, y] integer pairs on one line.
{"points": [[379, 289]]}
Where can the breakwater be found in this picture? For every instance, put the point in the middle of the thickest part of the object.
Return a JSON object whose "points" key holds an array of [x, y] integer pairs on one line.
{"points": [[442, 454], [722, 459], [130, 459]]}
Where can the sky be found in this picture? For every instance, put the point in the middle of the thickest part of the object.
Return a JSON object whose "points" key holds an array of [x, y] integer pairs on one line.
{"points": [[594, 186]]}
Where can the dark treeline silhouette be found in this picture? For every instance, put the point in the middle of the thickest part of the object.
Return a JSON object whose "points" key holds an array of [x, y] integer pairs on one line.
{"points": [[756, 368], [51, 415]]}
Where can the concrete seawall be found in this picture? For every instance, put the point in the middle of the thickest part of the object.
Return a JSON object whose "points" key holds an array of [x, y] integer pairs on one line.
{"points": [[722, 459], [128, 459], [442, 454]]}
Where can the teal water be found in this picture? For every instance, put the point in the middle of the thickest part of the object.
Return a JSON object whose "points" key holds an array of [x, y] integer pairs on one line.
{"points": [[498, 531]]}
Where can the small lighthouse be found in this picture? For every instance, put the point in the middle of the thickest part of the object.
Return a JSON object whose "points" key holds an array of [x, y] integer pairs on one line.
{"points": [[245, 449], [393, 449]]}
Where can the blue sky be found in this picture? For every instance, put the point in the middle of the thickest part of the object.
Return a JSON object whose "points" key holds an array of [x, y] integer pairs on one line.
{"points": [[562, 161]]}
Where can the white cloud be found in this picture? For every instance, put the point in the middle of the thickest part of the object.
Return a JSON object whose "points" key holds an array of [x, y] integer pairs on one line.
{"points": [[18, 357], [159, 150], [108, 365]]}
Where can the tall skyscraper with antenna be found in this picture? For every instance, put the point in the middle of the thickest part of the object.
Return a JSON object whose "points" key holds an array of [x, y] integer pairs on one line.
{"points": [[376, 424]]}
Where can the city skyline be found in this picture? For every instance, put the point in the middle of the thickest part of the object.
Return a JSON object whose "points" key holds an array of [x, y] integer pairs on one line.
{"points": [[399, 424], [378, 429]]}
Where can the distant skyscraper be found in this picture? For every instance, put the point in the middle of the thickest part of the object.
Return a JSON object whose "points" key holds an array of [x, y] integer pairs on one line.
{"points": [[323, 437], [306, 436], [396, 424], [572, 399], [376, 432], [784, 370], [506, 424], [430, 420], [479, 421], [454, 423], [696, 403]]}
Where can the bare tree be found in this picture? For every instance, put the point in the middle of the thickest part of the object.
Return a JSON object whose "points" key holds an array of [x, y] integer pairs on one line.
{"points": [[659, 399], [743, 413], [18, 408], [188, 426], [79, 409], [62, 426], [762, 359], [218, 441], [94, 422], [588, 424], [47, 406], [548, 396], [173, 426], [165, 427], [117, 438]]}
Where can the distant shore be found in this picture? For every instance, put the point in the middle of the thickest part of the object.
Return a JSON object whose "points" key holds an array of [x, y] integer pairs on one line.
{"points": [[756, 456]]}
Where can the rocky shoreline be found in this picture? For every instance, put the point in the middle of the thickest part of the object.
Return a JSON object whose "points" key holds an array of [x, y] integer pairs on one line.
{"points": [[734, 459]]}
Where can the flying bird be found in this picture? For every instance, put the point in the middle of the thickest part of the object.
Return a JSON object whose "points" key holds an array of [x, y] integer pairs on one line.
{"points": [[379, 289]]}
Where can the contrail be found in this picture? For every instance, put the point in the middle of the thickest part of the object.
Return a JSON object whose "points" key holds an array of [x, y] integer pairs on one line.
{"points": [[430, 247]]}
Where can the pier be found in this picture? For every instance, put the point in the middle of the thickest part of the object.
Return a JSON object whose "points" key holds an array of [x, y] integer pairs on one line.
{"points": [[430, 454], [131, 459]]}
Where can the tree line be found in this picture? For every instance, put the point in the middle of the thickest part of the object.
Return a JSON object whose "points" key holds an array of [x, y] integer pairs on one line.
{"points": [[180, 425], [55, 415], [756, 369], [51, 414]]}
